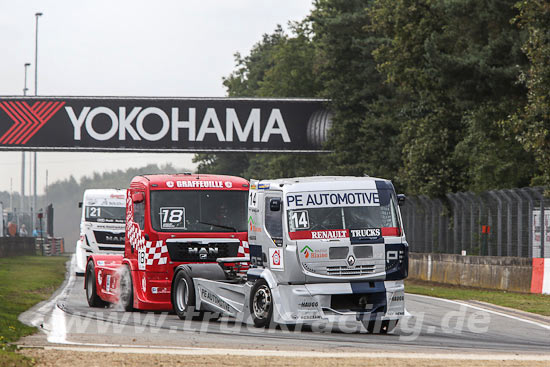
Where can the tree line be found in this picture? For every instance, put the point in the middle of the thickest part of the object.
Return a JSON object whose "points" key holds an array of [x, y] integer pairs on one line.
{"points": [[439, 96]]}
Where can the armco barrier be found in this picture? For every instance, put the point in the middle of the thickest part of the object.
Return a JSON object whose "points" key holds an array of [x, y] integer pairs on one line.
{"points": [[17, 246], [490, 272]]}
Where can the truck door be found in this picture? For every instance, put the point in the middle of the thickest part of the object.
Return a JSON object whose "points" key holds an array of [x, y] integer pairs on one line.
{"points": [[274, 218]]}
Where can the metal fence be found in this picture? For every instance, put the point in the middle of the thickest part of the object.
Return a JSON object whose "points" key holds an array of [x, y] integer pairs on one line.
{"points": [[511, 222]]}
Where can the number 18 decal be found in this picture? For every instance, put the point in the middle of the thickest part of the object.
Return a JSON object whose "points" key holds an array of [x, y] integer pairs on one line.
{"points": [[172, 217], [141, 258]]}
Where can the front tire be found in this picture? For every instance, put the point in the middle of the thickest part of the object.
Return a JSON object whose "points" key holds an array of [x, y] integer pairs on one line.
{"points": [[183, 295], [91, 292], [261, 304], [126, 297]]}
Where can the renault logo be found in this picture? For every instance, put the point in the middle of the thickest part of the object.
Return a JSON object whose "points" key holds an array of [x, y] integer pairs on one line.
{"points": [[351, 260]]}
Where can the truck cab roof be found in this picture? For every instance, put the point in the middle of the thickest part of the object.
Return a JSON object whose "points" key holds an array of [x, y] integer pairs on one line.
{"points": [[314, 183], [96, 196], [189, 181]]}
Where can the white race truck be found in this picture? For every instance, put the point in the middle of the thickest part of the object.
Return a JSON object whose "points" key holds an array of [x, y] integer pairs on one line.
{"points": [[321, 249], [102, 225]]}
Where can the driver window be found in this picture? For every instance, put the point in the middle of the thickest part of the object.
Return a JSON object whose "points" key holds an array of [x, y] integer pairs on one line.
{"points": [[139, 214], [273, 220]]}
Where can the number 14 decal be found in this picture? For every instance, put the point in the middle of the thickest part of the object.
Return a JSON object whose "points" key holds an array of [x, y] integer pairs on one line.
{"points": [[300, 219]]}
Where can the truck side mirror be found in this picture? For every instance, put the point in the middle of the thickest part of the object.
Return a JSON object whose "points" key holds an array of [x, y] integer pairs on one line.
{"points": [[138, 197], [401, 199], [80, 204], [275, 204]]}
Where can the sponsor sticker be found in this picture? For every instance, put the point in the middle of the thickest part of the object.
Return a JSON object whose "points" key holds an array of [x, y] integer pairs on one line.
{"points": [[264, 186], [276, 260], [159, 290], [400, 298], [252, 225], [213, 299], [366, 233], [319, 235], [170, 184], [308, 304], [228, 184], [324, 199], [314, 254], [307, 316], [200, 184]]}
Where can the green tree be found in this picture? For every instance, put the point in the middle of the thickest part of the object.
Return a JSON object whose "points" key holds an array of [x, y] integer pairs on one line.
{"points": [[280, 65], [532, 122], [363, 136], [458, 63]]}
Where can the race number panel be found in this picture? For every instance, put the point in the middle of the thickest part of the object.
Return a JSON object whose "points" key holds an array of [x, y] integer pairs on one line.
{"points": [[300, 219], [172, 218]]}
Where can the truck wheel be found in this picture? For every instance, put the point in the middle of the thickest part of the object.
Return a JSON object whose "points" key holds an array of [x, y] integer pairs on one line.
{"points": [[91, 292], [261, 304], [380, 327], [183, 295], [126, 298]]}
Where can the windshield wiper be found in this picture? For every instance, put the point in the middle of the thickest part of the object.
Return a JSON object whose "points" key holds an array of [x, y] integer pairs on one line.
{"points": [[219, 225]]}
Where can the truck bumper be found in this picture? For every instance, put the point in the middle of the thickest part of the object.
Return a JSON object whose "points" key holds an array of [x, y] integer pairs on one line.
{"points": [[338, 302]]}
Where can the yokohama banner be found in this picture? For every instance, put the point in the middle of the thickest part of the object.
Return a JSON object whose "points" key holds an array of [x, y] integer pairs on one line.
{"points": [[163, 124]]}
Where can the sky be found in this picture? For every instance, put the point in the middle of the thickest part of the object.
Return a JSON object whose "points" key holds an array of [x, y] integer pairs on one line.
{"points": [[168, 48]]}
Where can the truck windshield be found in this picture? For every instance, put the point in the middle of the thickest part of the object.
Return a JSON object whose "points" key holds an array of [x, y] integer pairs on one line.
{"points": [[378, 218], [105, 214], [199, 211]]}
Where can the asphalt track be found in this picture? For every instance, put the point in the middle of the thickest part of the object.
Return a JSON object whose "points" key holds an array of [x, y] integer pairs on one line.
{"points": [[435, 326]]}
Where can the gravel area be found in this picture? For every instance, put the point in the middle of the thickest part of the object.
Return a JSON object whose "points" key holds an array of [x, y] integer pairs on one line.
{"points": [[50, 358]]}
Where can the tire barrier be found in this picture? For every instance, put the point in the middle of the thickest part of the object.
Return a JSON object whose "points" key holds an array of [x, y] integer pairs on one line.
{"points": [[50, 246]]}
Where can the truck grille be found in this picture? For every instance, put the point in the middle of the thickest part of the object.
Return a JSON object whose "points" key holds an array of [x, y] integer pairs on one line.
{"points": [[340, 271], [201, 251], [345, 271], [109, 238]]}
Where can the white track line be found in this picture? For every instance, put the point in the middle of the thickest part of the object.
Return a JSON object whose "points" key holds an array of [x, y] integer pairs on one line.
{"points": [[56, 328], [547, 327]]}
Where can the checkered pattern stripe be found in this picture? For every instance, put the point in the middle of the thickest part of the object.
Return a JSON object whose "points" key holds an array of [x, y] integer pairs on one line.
{"points": [[243, 249], [157, 251], [134, 235], [242, 252]]}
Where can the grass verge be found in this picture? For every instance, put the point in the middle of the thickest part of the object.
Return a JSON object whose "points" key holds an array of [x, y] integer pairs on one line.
{"points": [[24, 281], [535, 303]]}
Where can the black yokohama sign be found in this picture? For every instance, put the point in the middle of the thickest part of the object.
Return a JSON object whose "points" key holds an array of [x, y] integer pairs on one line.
{"points": [[163, 124]]}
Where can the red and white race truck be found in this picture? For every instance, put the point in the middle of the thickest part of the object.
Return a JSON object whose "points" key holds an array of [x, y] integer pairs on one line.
{"points": [[171, 220]]}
